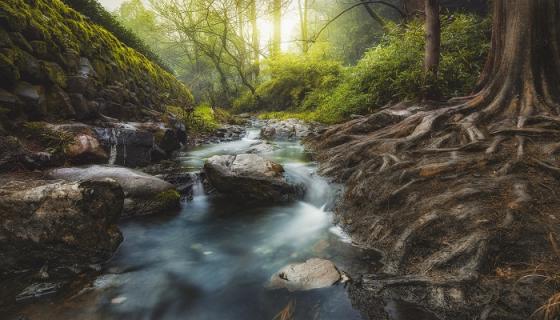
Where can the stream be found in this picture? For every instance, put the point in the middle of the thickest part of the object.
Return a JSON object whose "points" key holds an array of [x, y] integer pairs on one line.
{"points": [[212, 259]]}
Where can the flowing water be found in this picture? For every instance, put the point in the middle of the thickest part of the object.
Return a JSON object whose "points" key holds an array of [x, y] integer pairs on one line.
{"points": [[212, 260]]}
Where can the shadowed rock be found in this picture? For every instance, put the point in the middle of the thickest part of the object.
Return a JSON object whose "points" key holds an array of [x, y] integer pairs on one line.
{"points": [[58, 223], [144, 194]]}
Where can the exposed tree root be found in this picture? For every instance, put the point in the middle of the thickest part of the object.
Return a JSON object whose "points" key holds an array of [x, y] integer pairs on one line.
{"points": [[449, 197]]}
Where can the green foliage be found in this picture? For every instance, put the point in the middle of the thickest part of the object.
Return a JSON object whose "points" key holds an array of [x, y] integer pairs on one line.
{"points": [[54, 141], [170, 196], [294, 82], [389, 72], [93, 10], [204, 119], [393, 70]]}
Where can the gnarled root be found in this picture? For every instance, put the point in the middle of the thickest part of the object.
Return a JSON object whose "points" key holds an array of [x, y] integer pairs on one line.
{"points": [[452, 200]]}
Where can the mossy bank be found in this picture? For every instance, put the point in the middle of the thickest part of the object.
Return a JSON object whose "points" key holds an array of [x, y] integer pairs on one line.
{"points": [[55, 64]]}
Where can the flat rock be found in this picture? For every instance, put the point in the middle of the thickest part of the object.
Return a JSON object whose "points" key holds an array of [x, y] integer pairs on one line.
{"points": [[144, 194], [312, 274]]}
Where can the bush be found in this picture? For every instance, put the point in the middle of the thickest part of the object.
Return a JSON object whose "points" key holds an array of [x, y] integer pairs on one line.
{"points": [[292, 83], [393, 70], [204, 118], [390, 72], [93, 10]]}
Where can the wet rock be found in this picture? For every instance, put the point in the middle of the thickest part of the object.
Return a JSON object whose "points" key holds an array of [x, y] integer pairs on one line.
{"points": [[58, 223], [134, 147], [230, 132], [168, 141], [291, 129], [250, 177], [312, 274], [144, 194], [261, 148], [86, 149], [179, 176]]}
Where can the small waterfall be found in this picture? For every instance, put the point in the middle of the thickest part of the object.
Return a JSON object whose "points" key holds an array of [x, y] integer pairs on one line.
{"points": [[113, 141], [198, 186]]}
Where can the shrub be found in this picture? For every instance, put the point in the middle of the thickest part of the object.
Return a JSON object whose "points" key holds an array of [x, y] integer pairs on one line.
{"points": [[393, 70], [203, 119], [292, 82], [93, 10]]}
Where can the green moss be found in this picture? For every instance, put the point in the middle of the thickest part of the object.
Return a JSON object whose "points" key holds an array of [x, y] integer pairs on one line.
{"points": [[170, 197], [40, 48], [54, 73], [54, 23], [19, 40], [53, 141]]}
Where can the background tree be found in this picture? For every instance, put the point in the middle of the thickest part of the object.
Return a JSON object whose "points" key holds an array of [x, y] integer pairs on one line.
{"points": [[433, 46], [276, 46]]}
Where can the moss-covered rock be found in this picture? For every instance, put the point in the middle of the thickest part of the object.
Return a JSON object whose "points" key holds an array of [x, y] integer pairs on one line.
{"points": [[49, 43], [54, 73]]}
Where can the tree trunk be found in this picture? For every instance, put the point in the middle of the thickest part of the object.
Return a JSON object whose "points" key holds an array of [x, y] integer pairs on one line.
{"points": [[303, 7], [255, 41], [433, 46], [379, 19], [277, 32]]}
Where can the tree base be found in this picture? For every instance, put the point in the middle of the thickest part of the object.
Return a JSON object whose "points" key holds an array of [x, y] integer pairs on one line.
{"points": [[466, 212]]}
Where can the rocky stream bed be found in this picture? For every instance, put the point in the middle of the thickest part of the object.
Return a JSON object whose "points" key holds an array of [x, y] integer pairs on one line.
{"points": [[252, 236]]}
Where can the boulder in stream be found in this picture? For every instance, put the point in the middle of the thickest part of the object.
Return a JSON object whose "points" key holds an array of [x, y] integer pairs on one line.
{"points": [[291, 129], [58, 223], [312, 274], [250, 177], [144, 194]]}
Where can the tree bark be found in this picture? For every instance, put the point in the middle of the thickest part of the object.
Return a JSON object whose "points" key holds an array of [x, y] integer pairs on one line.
{"points": [[433, 47], [303, 6], [277, 32]]}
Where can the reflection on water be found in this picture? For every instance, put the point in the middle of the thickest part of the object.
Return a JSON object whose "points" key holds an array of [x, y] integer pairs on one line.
{"points": [[213, 259]]}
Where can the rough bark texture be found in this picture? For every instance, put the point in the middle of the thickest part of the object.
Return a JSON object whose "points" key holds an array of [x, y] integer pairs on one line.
{"points": [[433, 45], [462, 197]]}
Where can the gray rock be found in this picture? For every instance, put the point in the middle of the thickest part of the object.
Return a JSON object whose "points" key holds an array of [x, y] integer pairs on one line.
{"points": [[250, 177], [58, 223], [261, 148], [312, 274], [291, 129], [144, 194]]}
